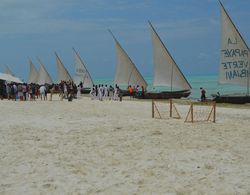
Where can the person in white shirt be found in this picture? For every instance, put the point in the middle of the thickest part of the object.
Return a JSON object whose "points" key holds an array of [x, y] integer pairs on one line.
{"points": [[42, 92], [14, 91], [92, 93], [105, 92], [100, 92], [78, 95], [111, 92], [116, 93]]}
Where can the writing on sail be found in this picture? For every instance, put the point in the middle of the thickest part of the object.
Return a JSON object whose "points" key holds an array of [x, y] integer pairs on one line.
{"points": [[227, 53], [235, 63], [230, 41], [80, 70]]}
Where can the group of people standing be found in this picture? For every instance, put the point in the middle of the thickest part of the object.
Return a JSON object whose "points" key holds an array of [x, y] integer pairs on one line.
{"points": [[103, 92], [32, 91], [69, 90], [66, 90], [136, 91], [22, 91]]}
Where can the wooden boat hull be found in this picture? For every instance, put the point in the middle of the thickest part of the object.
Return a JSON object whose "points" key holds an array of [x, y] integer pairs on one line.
{"points": [[165, 95], [125, 92], [232, 99], [85, 90]]}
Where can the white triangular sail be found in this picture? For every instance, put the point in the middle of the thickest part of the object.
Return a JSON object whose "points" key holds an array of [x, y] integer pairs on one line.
{"points": [[81, 72], [43, 76], [126, 71], [33, 74], [166, 71], [8, 71], [63, 74], [234, 53]]}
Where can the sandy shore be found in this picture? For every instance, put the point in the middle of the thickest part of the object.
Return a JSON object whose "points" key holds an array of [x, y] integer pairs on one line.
{"points": [[93, 147]]}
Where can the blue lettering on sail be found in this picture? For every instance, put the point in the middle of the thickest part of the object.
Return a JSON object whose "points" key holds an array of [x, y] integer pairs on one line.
{"points": [[236, 62], [229, 41], [80, 70], [240, 64], [233, 74], [228, 53]]}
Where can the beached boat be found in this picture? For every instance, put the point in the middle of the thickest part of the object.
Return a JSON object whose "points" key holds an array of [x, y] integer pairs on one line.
{"points": [[33, 73], [43, 75], [166, 72], [127, 73], [82, 74], [234, 61], [63, 74], [231, 98], [166, 94]]}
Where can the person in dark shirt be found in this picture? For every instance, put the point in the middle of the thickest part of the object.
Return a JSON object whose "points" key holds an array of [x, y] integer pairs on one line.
{"points": [[203, 94]]}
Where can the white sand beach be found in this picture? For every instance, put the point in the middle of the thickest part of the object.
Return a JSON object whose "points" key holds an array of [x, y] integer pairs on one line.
{"points": [[92, 147]]}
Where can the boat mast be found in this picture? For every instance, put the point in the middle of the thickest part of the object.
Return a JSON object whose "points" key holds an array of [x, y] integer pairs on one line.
{"points": [[172, 73], [248, 79]]}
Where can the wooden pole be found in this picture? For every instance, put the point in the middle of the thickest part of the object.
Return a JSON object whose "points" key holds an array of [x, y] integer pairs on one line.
{"points": [[214, 112], [171, 108], [189, 111], [210, 113], [179, 116], [157, 110], [192, 112], [153, 112]]}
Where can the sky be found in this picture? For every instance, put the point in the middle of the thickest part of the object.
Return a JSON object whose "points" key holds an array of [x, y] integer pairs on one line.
{"points": [[190, 29]]}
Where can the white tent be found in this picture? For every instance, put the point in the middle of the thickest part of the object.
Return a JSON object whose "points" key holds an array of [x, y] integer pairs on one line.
{"points": [[10, 78]]}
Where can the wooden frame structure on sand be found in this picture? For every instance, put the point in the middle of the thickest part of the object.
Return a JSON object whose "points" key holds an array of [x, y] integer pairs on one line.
{"points": [[191, 117], [172, 109], [194, 111]]}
